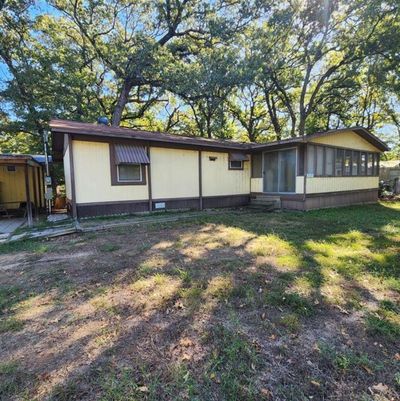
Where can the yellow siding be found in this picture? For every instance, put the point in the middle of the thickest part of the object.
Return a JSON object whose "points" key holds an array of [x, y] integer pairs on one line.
{"points": [[93, 176], [348, 139], [12, 186], [174, 173], [67, 174], [334, 184], [299, 184], [256, 185], [218, 180]]}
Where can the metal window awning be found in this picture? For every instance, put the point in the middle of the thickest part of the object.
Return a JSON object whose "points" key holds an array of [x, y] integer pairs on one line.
{"points": [[131, 154], [238, 157]]}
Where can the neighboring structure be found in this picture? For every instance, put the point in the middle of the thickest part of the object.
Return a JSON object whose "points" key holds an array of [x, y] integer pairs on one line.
{"points": [[110, 170], [389, 170], [21, 184]]}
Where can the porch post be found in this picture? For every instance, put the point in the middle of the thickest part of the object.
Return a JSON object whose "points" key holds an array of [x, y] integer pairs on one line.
{"points": [[35, 192], [200, 182], [28, 197]]}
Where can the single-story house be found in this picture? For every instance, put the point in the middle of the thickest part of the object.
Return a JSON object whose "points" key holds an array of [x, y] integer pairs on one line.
{"points": [[111, 170], [21, 184]]}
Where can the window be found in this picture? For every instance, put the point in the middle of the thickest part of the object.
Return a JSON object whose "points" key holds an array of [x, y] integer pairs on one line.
{"points": [[320, 161], [347, 162], [363, 163], [10, 168], [129, 172], [329, 161], [235, 164], [339, 162], [370, 165], [310, 160], [355, 163], [376, 170]]}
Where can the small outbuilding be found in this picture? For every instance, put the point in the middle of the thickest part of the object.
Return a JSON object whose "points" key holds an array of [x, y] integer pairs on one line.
{"points": [[22, 185]]}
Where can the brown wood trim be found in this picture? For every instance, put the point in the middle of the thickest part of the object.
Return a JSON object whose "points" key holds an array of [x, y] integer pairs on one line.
{"points": [[176, 199], [39, 187], [112, 202], [35, 192], [114, 173], [200, 182], [156, 144], [353, 191], [149, 179], [72, 167], [28, 196]]}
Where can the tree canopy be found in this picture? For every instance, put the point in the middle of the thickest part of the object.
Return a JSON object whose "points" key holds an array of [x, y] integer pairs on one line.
{"points": [[252, 70]]}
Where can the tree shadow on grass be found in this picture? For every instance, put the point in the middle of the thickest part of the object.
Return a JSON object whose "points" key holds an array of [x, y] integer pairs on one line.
{"points": [[229, 308]]}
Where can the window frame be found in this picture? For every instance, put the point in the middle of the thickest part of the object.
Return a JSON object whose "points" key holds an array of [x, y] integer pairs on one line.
{"points": [[235, 168], [114, 171], [354, 154], [129, 164]]}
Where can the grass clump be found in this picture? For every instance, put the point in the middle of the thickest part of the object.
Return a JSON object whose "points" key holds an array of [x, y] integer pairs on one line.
{"points": [[109, 247], [232, 365], [292, 300], [10, 324]]}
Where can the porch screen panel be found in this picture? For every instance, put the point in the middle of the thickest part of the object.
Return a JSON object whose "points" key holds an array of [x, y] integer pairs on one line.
{"points": [[271, 172], [329, 161], [287, 174]]}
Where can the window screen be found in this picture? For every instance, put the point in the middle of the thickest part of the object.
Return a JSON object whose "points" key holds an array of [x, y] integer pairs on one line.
{"points": [[363, 163], [320, 160], [355, 163], [339, 162], [310, 159], [129, 172], [370, 165], [329, 161], [347, 162]]}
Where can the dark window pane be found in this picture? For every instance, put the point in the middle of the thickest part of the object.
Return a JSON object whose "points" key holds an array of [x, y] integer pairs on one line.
{"points": [[320, 160], [356, 162], [236, 164], [339, 162], [310, 159], [129, 172], [363, 163], [329, 161], [347, 162], [370, 166]]}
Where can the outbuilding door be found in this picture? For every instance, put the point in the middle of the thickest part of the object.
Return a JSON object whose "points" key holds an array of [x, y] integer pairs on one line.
{"points": [[279, 171]]}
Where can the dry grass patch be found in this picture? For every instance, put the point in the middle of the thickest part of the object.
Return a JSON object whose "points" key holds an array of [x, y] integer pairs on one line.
{"points": [[154, 292]]}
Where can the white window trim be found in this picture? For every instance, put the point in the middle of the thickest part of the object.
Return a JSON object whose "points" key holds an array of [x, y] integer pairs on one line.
{"points": [[130, 164]]}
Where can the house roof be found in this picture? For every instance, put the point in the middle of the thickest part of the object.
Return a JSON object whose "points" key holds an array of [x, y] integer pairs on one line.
{"points": [[13, 158], [59, 127]]}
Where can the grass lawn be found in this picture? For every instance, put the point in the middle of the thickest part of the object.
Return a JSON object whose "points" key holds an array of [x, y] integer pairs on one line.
{"points": [[230, 307]]}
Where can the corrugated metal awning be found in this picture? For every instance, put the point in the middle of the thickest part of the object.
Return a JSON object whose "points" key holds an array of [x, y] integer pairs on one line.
{"points": [[238, 157], [131, 154]]}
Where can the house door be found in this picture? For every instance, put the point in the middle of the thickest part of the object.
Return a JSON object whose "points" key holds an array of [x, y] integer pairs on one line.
{"points": [[279, 171]]}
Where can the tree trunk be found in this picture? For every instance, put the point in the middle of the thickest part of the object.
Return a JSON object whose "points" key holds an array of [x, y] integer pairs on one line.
{"points": [[121, 103]]}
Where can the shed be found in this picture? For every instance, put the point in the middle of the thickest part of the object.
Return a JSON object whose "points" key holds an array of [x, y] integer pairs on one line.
{"points": [[22, 184]]}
